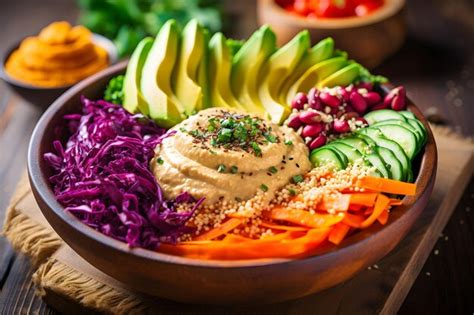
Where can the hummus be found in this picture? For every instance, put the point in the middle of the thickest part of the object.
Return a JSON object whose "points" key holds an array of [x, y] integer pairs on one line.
{"points": [[227, 156]]}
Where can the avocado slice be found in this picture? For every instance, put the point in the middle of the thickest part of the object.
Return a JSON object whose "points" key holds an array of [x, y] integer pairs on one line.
{"points": [[246, 67], [163, 106], [185, 74], [319, 52], [343, 77], [133, 100], [278, 67], [315, 74], [203, 73], [220, 66]]}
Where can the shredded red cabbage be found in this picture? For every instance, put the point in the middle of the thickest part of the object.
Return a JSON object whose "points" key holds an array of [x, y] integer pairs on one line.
{"points": [[102, 176]]}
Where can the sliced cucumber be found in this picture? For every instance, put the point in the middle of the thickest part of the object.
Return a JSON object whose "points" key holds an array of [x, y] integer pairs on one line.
{"points": [[381, 115], [391, 162], [341, 155], [418, 134], [353, 155], [324, 156], [410, 176], [407, 114], [401, 135], [377, 136], [356, 143], [415, 123]]}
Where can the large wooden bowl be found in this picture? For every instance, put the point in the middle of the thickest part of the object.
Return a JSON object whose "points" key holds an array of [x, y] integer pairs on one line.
{"points": [[368, 39], [215, 282]]}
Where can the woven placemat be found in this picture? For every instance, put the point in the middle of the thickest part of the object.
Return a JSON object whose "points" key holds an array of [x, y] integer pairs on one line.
{"points": [[60, 272]]}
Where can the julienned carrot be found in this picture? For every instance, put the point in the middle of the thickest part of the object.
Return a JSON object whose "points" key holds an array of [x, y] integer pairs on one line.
{"points": [[363, 199], [383, 217], [338, 233], [254, 249], [337, 202], [353, 220], [303, 217], [395, 202], [274, 226], [381, 204], [225, 227], [386, 185], [235, 238]]}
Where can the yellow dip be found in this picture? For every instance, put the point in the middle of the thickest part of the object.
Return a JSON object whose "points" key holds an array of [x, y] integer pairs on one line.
{"points": [[58, 56]]}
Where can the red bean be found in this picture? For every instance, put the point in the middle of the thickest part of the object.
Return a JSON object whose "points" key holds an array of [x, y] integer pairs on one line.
{"points": [[313, 99], [312, 130], [372, 98], [380, 106], [365, 85], [400, 90], [345, 95], [358, 103], [330, 100], [309, 117], [299, 101], [341, 126], [319, 141], [398, 102], [294, 122]]}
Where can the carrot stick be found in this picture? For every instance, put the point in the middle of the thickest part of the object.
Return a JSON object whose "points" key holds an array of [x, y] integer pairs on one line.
{"points": [[356, 208], [381, 204], [369, 211], [235, 238], [225, 227], [282, 227], [387, 185], [353, 220], [383, 217], [338, 233], [339, 203], [395, 202], [304, 218], [363, 199]]}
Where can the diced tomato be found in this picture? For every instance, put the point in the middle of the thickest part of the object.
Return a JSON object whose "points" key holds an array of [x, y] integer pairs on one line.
{"points": [[330, 8]]}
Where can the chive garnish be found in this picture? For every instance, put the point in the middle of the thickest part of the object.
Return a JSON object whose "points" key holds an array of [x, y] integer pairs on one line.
{"points": [[221, 168], [234, 169], [264, 187], [288, 142], [297, 179], [160, 161], [273, 169]]}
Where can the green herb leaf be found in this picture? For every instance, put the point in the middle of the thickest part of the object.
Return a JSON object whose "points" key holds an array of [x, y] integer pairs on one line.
{"points": [[221, 168], [160, 161], [289, 142], [264, 187], [234, 169], [256, 149], [273, 169], [297, 179]]}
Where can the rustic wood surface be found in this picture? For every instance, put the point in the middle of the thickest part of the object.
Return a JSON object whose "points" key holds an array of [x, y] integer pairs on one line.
{"points": [[436, 64]]}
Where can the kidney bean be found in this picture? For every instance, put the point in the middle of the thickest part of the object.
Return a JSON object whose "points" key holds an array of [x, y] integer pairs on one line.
{"points": [[299, 101], [398, 102], [312, 130], [358, 102], [330, 100], [294, 122], [319, 141], [341, 126], [372, 98], [309, 117]]}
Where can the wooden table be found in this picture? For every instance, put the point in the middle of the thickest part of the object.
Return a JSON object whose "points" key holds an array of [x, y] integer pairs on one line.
{"points": [[436, 65]]}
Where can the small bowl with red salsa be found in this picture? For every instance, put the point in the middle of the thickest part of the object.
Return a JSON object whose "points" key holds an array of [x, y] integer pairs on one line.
{"points": [[369, 30]]}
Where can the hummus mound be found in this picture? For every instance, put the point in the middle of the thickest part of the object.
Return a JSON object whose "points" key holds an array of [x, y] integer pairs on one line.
{"points": [[59, 55], [227, 156]]}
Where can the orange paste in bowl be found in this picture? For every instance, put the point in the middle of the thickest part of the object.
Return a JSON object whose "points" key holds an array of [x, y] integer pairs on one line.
{"points": [[60, 55]]}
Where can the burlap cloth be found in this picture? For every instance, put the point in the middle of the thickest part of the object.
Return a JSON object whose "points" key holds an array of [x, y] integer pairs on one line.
{"points": [[60, 270]]}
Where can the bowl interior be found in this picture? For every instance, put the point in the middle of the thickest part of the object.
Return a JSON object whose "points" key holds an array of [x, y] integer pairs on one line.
{"points": [[50, 128]]}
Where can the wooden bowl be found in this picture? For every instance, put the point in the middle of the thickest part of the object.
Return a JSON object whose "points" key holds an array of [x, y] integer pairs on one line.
{"points": [[215, 282], [44, 96], [368, 39]]}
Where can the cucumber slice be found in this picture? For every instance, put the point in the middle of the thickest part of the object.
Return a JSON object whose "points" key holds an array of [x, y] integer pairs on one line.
{"points": [[356, 143], [407, 114], [341, 155], [383, 114], [375, 159], [418, 134], [410, 176], [350, 152], [381, 141], [324, 156], [391, 162], [415, 123], [401, 135]]}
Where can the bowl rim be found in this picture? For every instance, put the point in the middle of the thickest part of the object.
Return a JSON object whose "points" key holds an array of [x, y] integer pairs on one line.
{"points": [[388, 9], [42, 189], [97, 39]]}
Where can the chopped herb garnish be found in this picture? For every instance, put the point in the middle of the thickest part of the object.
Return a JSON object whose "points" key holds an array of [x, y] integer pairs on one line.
{"points": [[270, 138], [256, 149], [292, 192], [297, 179], [182, 129], [224, 135], [234, 169], [264, 187], [273, 169], [160, 161], [221, 168], [289, 142]]}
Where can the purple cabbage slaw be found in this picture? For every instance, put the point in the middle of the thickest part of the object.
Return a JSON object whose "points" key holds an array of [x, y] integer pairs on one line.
{"points": [[102, 176]]}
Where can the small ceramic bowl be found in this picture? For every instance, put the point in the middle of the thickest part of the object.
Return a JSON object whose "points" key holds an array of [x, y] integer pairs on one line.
{"points": [[368, 39], [211, 281], [44, 96]]}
